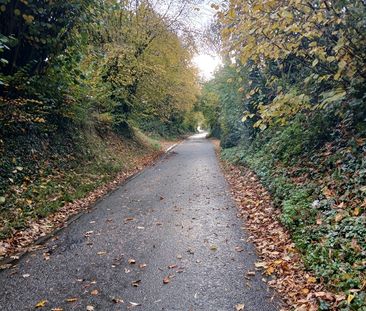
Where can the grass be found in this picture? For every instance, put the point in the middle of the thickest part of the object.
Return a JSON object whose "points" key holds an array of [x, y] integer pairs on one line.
{"points": [[44, 184]]}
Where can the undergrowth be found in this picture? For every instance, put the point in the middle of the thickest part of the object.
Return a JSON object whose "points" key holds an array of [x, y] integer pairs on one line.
{"points": [[42, 172], [317, 177]]}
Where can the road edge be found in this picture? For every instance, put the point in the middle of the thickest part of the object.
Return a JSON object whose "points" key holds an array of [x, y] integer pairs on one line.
{"points": [[11, 260]]}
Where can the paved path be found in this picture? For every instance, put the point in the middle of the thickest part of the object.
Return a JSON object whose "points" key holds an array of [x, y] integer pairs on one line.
{"points": [[177, 213]]}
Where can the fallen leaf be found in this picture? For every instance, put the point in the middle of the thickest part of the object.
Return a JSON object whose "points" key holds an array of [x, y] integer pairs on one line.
{"points": [[131, 261], [117, 300], [26, 275], [89, 308], [261, 264], [94, 292], [270, 270], [339, 217], [356, 211], [239, 307], [101, 253], [41, 303], [172, 266], [350, 298], [5, 266], [311, 279], [136, 283], [166, 280], [57, 309], [142, 265], [213, 247], [72, 299], [88, 233]]}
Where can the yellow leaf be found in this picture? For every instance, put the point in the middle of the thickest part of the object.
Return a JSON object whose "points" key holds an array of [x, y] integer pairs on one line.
{"points": [[278, 261], [311, 279], [39, 120], [41, 303], [270, 270], [257, 7], [350, 298], [73, 299]]}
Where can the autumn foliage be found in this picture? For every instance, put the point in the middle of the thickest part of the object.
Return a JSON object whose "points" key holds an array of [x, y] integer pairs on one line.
{"points": [[289, 103]]}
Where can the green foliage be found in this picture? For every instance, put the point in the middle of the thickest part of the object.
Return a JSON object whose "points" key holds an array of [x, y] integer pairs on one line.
{"points": [[316, 175], [73, 72], [299, 71]]}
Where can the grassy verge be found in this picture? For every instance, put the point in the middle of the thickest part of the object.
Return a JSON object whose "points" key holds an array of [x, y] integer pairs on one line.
{"points": [[47, 173]]}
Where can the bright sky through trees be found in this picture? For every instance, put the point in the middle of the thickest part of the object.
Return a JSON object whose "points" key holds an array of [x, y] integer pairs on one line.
{"points": [[206, 64], [206, 61]]}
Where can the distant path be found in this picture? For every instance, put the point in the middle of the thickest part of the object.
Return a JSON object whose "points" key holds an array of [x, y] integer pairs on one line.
{"points": [[178, 212]]}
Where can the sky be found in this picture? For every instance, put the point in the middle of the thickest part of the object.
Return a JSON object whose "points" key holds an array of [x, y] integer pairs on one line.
{"points": [[206, 64], [205, 61], [198, 19]]}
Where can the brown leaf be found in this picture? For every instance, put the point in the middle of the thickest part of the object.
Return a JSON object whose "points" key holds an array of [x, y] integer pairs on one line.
{"points": [[166, 280], [117, 300], [239, 307], [94, 292], [102, 253], [136, 283], [131, 261]]}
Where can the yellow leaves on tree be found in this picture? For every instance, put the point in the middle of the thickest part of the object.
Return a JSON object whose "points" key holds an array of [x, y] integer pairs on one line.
{"points": [[326, 36]]}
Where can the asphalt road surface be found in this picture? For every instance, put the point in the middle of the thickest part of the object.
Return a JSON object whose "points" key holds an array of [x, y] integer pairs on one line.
{"points": [[169, 239]]}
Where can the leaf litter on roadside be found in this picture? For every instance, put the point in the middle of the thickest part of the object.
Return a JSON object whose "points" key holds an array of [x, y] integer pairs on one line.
{"points": [[36, 228], [279, 258]]}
